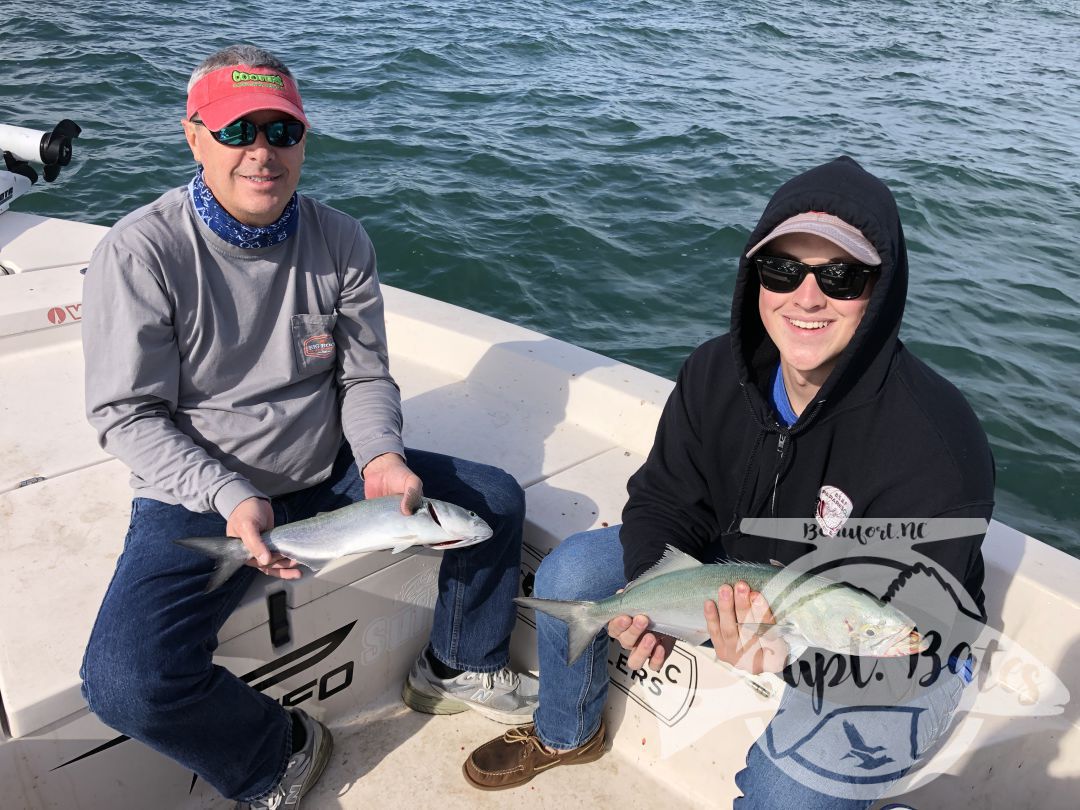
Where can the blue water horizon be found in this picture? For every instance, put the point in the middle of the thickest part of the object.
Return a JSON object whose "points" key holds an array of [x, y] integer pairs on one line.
{"points": [[591, 171]]}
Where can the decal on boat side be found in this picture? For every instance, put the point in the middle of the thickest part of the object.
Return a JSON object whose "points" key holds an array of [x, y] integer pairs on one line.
{"points": [[278, 670], [667, 695], [58, 315], [386, 633]]}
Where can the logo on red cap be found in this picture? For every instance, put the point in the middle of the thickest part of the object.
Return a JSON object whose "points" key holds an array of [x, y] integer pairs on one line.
{"points": [[242, 79]]}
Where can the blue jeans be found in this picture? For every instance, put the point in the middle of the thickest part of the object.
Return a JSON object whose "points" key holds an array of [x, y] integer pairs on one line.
{"points": [[148, 670], [590, 566]]}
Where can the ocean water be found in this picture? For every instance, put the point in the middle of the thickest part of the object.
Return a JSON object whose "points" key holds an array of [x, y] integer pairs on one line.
{"points": [[591, 170]]}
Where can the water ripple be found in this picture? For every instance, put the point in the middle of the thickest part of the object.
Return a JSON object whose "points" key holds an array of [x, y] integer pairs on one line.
{"points": [[592, 170]]}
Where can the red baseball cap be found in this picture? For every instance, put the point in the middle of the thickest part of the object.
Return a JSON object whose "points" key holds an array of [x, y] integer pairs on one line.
{"points": [[229, 93]]}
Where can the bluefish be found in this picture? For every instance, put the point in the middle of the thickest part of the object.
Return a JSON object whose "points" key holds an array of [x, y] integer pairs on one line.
{"points": [[369, 525], [810, 610]]}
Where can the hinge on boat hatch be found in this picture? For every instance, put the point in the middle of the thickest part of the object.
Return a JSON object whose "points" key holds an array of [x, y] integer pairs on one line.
{"points": [[277, 611], [37, 479]]}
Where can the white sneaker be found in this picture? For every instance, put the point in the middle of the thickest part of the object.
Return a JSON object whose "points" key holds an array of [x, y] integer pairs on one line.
{"points": [[503, 696], [303, 771]]}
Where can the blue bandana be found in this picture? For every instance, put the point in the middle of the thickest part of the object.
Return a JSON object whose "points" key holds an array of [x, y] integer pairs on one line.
{"points": [[231, 229]]}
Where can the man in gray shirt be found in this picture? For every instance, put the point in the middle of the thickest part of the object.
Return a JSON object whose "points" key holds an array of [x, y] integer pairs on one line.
{"points": [[236, 361]]}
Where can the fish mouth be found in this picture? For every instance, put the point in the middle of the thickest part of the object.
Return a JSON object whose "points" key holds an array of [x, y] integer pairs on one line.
{"points": [[911, 643], [460, 541]]}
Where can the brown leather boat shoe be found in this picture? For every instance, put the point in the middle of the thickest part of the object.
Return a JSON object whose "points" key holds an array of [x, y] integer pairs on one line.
{"points": [[518, 755]]}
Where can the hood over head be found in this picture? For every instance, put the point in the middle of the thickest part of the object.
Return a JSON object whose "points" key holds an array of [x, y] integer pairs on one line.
{"points": [[843, 189]]}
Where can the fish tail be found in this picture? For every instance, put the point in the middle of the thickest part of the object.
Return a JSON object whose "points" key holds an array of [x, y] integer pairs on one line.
{"points": [[581, 625], [228, 553]]}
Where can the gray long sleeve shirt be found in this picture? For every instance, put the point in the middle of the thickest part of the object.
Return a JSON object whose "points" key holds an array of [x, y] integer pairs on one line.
{"points": [[218, 373]]}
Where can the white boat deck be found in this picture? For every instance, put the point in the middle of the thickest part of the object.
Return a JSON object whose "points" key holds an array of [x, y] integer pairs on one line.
{"points": [[571, 426]]}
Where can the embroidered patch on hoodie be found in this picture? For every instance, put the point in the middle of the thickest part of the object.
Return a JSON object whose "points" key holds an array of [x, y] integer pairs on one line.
{"points": [[833, 510]]}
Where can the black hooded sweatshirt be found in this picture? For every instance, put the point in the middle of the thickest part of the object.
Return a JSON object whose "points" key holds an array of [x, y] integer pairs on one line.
{"points": [[898, 439]]}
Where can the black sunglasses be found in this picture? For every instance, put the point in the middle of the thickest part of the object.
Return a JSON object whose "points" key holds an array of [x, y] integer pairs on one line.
{"points": [[242, 132], [837, 280]]}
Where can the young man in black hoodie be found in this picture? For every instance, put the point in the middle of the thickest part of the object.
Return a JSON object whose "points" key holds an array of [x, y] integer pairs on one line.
{"points": [[812, 409]]}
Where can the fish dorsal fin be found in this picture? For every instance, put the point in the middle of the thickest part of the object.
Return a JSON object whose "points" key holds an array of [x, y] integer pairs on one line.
{"points": [[673, 560], [776, 564]]}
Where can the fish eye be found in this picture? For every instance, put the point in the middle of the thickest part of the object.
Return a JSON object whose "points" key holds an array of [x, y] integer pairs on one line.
{"points": [[870, 632], [472, 514]]}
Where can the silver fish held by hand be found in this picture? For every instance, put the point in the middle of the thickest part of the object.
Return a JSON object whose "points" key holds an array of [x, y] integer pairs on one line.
{"points": [[369, 525], [810, 611]]}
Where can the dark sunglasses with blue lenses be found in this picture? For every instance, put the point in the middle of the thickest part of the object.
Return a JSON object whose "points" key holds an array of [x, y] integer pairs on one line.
{"points": [[242, 132], [841, 280]]}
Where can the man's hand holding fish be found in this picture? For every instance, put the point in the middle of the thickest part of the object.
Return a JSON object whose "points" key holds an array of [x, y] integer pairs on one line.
{"points": [[249, 521], [734, 622], [652, 648], [384, 475], [728, 619], [388, 474]]}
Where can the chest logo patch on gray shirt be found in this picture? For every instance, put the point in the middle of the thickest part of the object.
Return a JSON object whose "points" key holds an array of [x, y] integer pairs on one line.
{"points": [[319, 346]]}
